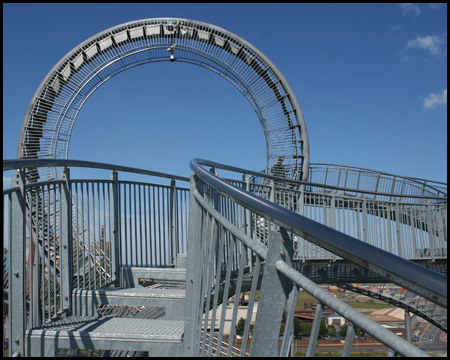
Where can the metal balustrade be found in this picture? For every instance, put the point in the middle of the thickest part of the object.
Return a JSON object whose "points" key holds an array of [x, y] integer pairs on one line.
{"points": [[221, 249], [68, 235], [78, 234], [350, 177]]}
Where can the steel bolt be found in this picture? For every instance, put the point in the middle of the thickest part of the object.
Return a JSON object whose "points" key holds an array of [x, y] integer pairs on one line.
{"points": [[16, 273], [282, 253], [16, 340]]}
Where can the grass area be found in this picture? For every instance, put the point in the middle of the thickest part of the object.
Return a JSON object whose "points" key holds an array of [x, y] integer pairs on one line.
{"points": [[304, 297], [368, 305], [356, 301]]}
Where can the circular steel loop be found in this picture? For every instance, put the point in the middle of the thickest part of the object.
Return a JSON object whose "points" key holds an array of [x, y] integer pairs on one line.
{"points": [[51, 115]]}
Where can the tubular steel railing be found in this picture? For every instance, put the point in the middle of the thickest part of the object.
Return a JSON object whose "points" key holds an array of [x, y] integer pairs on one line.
{"points": [[410, 225], [389, 185], [221, 255], [70, 234], [67, 234]]}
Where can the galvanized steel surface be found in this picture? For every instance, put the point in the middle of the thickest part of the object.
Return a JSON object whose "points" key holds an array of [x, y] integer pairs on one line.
{"points": [[51, 115]]}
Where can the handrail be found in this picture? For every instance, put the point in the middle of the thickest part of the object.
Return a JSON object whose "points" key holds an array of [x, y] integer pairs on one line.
{"points": [[418, 279], [418, 183], [291, 181], [14, 164], [376, 172]]}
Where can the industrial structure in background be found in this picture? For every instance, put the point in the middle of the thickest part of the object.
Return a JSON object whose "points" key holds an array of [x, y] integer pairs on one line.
{"points": [[117, 266]]}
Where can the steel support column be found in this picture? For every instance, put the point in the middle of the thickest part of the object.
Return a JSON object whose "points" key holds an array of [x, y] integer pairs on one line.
{"points": [[17, 241], [66, 240], [173, 220], [408, 326], [114, 227], [192, 279], [348, 340], [315, 331], [275, 289]]}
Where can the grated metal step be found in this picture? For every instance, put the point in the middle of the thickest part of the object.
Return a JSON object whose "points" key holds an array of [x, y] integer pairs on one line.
{"points": [[86, 302], [158, 337]]}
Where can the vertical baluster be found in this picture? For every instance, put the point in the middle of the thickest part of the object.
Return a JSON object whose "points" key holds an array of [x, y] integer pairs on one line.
{"points": [[114, 211], [315, 330], [66, 274], [348, 340], [173, 220]]}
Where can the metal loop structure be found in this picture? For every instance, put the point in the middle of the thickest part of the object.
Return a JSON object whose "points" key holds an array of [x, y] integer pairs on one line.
{"points": [[79, 248], [52, 113]]}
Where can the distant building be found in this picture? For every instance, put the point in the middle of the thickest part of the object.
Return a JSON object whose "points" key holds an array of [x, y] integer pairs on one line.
{"points": [[336, 320]]}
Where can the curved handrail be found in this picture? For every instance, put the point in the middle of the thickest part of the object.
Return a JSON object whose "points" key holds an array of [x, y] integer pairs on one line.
{"points": [[418, 279], [14, 164], [418, 183], [312, 184], [375, 172]]}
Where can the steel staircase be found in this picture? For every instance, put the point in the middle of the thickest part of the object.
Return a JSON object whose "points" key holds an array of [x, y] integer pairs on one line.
{"points": [[102, 319]]}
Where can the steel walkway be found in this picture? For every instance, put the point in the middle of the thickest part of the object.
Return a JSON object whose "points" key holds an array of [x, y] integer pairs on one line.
{"points": [[230, 241]]}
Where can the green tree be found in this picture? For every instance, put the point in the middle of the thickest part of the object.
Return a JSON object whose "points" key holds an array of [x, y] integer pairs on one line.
{"points": [[323, 331], [343, 330], [305, 329], [331, 330], [240, 326], [297, 326]]}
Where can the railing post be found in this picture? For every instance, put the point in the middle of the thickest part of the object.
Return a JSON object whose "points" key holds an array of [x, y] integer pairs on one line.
{"points": [[348, 340], [300, 241], [66, 240], [407, 326], [173, 220], [365, 235], [17, 241], [272, 191], [397, 229], [114, 227], [275, 288], [192, 281], [431, 233], [315, 330]]}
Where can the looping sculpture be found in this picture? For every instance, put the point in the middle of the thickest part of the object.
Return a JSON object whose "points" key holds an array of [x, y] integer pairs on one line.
{"points": [[51, 115]]}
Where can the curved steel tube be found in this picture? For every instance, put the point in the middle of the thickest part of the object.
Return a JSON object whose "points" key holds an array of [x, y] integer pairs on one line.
{"points": [[312, 184], [82, 70], [14, 164], [418, 279]]}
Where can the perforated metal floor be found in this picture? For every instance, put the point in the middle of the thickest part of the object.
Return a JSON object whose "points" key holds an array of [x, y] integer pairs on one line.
{"points": [[115, 328]]}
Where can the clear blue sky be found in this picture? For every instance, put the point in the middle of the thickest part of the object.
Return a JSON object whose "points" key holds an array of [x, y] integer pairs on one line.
{"points": [[371, 81]]}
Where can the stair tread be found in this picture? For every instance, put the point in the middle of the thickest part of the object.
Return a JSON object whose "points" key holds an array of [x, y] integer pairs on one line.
{"points": [[141, 292], [109, 328]]}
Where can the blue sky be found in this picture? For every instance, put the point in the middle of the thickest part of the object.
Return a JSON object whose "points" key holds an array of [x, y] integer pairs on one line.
{"points": [[371, 80]]}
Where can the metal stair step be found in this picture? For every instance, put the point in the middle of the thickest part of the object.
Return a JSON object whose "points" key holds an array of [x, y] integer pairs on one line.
{"points": [[169, 277], [172, 300], [158, 337]]}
